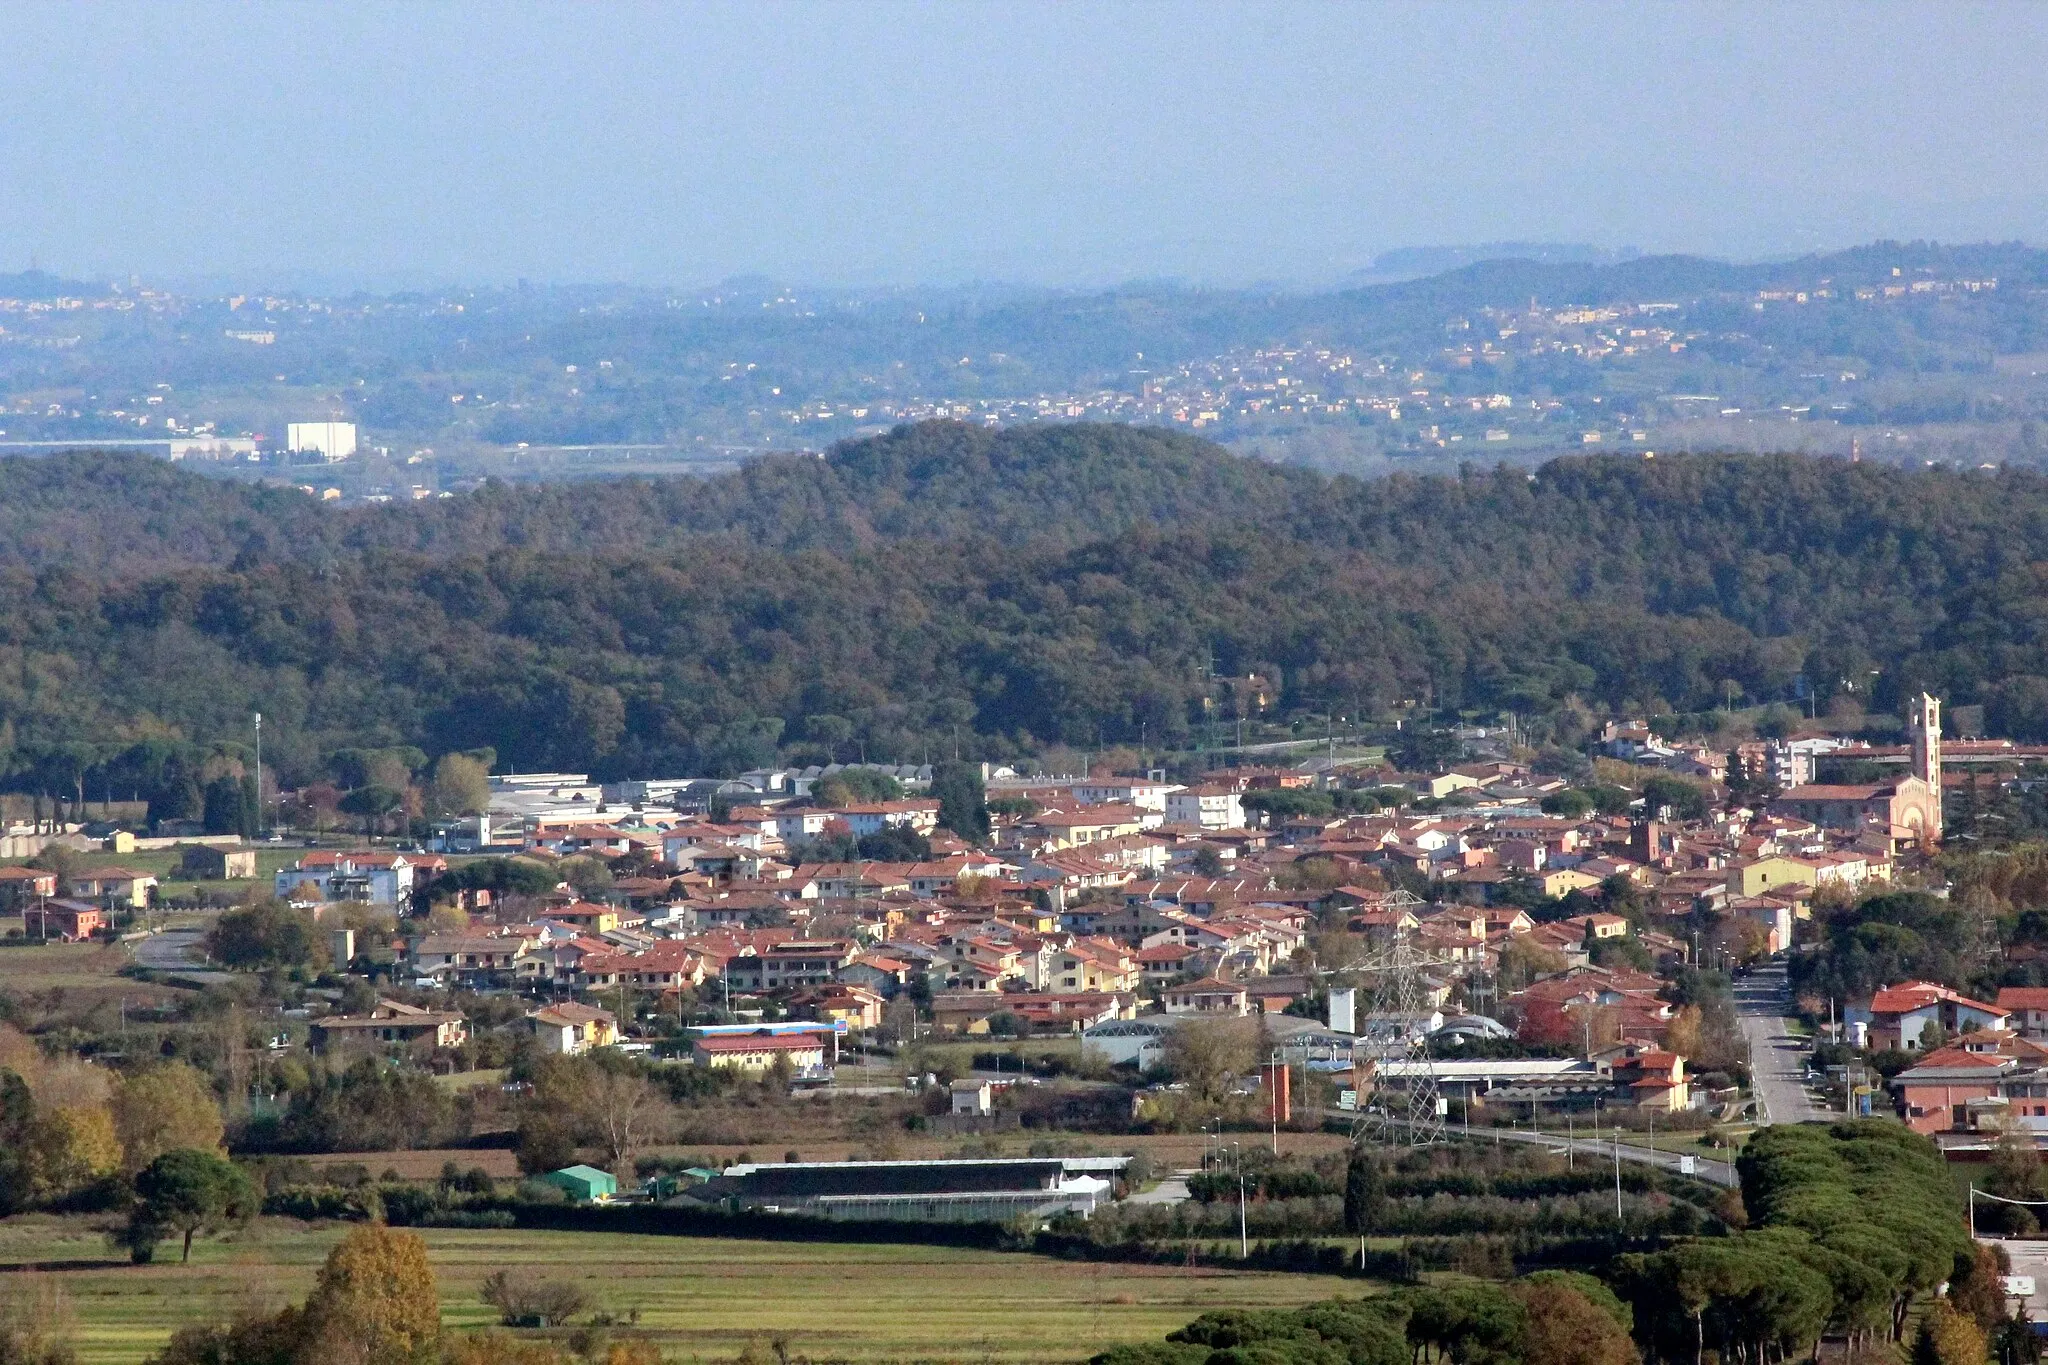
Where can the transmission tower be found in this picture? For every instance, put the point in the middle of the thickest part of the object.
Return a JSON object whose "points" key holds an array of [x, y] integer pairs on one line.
{"points": [[1398, 1101]]}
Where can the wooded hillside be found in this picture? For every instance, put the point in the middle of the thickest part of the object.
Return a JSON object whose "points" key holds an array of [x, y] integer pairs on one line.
{"points": [[1009, 588]]}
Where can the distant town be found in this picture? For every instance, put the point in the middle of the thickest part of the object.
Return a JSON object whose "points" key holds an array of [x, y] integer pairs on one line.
{"points": [[582, 383]]}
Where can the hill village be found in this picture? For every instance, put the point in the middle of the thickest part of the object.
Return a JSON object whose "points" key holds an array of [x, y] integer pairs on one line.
{"points": [[1566, 947]]}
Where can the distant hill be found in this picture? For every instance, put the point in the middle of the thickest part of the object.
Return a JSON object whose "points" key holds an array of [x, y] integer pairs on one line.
{"points": [[1408, 262], [39, 284], [127, 514]]}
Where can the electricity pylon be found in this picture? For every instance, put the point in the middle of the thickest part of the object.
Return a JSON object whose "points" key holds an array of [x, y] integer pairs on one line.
{"points": [[1398, 1100]]}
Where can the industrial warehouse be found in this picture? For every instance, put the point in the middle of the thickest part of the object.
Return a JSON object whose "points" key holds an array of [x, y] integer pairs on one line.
{"points": [[969, 1191]]}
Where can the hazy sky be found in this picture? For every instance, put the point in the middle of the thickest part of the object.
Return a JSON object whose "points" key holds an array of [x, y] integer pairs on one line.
{"points": [[1070, 143]]}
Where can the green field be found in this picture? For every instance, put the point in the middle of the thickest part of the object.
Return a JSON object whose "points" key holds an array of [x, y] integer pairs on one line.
{"points": [[701, 1298]]}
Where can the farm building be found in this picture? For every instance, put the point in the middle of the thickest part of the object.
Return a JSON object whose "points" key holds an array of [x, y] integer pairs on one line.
{"points": [[584, 1184]]}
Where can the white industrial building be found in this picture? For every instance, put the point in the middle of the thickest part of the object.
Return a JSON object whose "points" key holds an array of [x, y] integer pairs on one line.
{"points": [[331, 441]]}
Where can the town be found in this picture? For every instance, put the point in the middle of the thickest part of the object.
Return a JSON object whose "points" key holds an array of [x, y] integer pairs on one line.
{"points": [[815, 926], [961, 995]]}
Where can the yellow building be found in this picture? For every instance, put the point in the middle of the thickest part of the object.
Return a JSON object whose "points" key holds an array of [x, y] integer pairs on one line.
{"points": [[1558, 881], [1767, 874]]}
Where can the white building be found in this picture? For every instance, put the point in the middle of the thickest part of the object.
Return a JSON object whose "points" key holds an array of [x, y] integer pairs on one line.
{"points": [[1146, 793], [330, 440], [1208, 806], [363, 875]]}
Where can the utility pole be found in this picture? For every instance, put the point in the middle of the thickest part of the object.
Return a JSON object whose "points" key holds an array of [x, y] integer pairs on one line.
{"points": [[259, 773], [1571, 1141], [1617, 1175], [1273, 1098]]}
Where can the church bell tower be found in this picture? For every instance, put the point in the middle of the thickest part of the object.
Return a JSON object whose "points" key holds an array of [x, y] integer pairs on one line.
{"points": [[1924, 726]]}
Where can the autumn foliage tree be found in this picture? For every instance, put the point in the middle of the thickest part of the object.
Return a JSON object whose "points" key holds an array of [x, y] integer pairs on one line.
{"points": [[162, 1109], [374, 1302], [375, 1299]]}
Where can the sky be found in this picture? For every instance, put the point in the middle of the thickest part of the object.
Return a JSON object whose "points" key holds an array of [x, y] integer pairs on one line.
{"points": [[1061, 144]]}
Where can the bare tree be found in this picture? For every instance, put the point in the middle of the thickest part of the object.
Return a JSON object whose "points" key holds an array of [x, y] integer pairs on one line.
{"points": [[1205, 1054], [623, 1112]]}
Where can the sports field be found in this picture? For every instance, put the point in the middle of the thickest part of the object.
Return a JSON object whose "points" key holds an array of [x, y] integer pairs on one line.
{"points": [[701, 1298]]}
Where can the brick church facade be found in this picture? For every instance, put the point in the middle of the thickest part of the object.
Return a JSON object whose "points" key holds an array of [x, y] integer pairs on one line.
{"points": [[1909, 810]]}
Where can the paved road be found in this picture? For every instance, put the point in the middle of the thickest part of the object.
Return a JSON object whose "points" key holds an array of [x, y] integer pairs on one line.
{"points": [[1591, 1149], [177, 950], [1172, 1190], [1778, 1059]]}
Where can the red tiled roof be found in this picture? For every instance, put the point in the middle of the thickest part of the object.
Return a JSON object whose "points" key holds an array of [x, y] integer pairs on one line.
{"points": [[1913, 995], [763, 1042]]}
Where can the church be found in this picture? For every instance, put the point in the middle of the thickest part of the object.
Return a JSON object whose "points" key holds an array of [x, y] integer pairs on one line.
{"points": [[1909, 809]]}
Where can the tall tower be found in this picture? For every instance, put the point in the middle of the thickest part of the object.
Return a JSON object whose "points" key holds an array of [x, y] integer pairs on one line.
{"points": [[1923, 724]]}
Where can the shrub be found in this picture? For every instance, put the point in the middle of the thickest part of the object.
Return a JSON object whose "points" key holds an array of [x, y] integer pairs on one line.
{"points": [[526, 1300]]}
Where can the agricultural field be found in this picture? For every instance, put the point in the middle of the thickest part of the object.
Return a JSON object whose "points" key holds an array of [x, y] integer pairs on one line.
{"points": [[702, 1299]]}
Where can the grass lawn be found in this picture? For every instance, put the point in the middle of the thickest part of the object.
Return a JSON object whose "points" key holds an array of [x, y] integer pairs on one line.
{"points": [[64, 966], [701, 1298]]}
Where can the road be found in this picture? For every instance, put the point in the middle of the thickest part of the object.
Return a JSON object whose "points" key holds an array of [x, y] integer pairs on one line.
{"points": [[1172, 1190], [177, 950], [1778, 1058], [1591, 1149]]}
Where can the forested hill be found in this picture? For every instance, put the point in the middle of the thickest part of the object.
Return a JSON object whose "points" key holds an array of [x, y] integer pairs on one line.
{"points": [[128, 513], [1009, 589]]}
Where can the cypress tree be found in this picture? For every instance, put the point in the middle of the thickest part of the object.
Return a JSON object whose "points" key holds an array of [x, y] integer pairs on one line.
{"points": [[1365, 1193]]}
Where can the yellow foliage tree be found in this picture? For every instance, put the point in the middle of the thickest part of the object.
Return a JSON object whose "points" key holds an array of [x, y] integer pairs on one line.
{"points": [[461, 785], [375, 1299], [1682, 1034], [1948, 1337], [500, 1348], [19, 1054], [72, 1146], [163, 1109]]}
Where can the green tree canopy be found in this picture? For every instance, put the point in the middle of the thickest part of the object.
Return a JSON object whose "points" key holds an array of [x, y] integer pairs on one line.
{"points": [[186, 1192]]}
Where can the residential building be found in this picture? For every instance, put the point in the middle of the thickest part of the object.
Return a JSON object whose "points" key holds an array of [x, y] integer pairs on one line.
{"points": [[21, 885], [872, 818], [1907, 1016], [468, 959], [368, 875], [116, 886], [570, 1028], [1208, 996], [1144, 793], [1209, 805], [66, 920], [755, 1053], [391, 1022]]}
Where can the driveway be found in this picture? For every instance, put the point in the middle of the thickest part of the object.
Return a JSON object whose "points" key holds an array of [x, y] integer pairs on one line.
{"points": [[1778, 1058]]}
